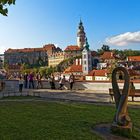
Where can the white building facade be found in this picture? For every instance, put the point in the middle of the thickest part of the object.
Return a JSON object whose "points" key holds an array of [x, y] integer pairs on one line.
{"points": [[87, 59]]}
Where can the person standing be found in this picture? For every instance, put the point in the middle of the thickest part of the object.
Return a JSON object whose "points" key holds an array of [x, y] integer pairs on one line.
{"points": [[25, 80], [31, 80], [39, 82], [71, 81], [21, 81], [132, 90], [62, 82], [52, 81]]}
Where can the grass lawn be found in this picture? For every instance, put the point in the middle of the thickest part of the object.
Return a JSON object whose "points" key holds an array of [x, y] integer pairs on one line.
{"points": [[38, 120]]}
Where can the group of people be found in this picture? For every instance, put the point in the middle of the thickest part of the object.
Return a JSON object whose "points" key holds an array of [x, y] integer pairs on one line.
{"points": [[62, 80], [27, 80]]}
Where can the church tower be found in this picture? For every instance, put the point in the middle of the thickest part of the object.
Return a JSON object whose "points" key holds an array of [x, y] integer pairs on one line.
{"points": [[81, 36], [86, 59]]}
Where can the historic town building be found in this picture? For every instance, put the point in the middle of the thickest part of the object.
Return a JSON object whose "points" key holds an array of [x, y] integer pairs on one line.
{"points": [[133, 62], [55, 58], [1, 60], [108, 57], [51, 49], [50, 55], [72, 51], [30, 56], [76, 50], [86, 59], [83, 65], [97, 75], [76, 69]]}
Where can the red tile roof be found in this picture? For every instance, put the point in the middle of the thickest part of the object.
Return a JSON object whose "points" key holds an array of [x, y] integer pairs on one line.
{"points": [[24, 50], [72, 48], [74, 68], [102, 72], [49, 47], [108, 55], [133, 58], [45, 48]]}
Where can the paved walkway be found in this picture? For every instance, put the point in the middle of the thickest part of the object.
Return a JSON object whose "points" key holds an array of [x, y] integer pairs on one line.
{"points": [[67, 95], [81, 95]]}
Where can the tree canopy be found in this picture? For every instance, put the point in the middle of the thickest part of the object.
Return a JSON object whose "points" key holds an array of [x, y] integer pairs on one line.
{"points": [[3, 6], [103, 49]]}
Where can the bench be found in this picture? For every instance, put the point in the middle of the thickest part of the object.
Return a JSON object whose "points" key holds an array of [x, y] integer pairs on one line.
{"points": [[133, 93]]}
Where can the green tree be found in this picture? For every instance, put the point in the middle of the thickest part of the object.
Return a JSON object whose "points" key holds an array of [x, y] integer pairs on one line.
{"points": [[131, 52], [103, 49], [42, 71], [49, 70], [111, 68], [3, 6], [127, 52], [6, 65], [59, 68]]}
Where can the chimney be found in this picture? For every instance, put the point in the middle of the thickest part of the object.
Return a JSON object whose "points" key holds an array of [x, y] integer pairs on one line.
{"points": [[111, 54], [76, 61], [80, 61]]}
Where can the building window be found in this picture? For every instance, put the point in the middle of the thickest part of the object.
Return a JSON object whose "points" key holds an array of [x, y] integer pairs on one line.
{"points": [[89, 62], [84, 55], [85, 62], [85, 68]]}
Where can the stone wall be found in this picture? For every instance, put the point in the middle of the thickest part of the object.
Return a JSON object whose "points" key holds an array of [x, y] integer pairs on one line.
{"points": [[98, 87]]}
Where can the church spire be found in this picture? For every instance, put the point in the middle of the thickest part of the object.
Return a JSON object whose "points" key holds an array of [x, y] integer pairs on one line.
{"points": [[81, 35], [81, 23]]}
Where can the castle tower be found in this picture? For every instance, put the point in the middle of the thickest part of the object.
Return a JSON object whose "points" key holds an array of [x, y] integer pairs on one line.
{"points": [[86, 59], [81, 36]]}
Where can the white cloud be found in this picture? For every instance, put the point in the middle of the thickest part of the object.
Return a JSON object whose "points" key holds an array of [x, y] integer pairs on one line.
{"points": [[124, 39]]}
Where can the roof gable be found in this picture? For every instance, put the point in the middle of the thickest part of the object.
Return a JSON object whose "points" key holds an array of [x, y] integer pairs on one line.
{"points": [[74, 68], [108, 55], [72, 48], [102, 72], [133, 58]]}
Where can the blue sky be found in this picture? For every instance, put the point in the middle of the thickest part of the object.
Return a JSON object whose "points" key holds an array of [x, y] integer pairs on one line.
{"points": [[34, 23]]}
